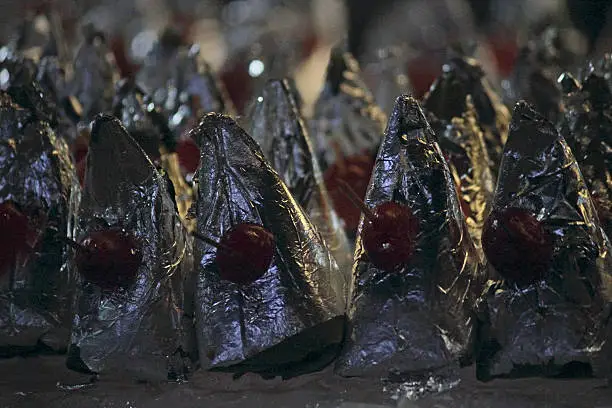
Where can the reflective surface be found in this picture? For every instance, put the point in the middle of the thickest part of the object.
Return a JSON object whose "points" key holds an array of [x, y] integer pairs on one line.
{"points": [[289, 321], [276, 124], [414, 323], [37, 176], [345, 121], [446, 99], [564, 317], [138, 330]]}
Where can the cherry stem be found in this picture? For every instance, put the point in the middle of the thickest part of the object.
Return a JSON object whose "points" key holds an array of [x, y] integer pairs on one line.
{"points": [[209, 241], [357, 202]]}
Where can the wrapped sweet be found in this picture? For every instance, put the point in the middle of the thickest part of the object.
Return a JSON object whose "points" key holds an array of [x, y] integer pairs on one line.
{"points": [[270, 298], [417, 274], [39, 197], [463, 76], [278, 128], [587, 128], [94, 75], [546, 309], [133, 255], [346, 130], [462, 143], [533, 80], [146, 123]]}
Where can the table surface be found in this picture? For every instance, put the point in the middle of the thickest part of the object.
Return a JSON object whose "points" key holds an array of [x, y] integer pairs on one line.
{"points": [[45, 382]]}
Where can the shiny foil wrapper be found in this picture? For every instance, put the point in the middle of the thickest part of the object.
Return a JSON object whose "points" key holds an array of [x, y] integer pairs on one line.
{"points": [[289, 321], [277, 126], [416, 321], [587, 128], [346, 120], [556, 323], [138, 329], [94, 75], [463, 76], [37, 176], [25, 90], [534, 81], [183, 84], [463, 145], [388, 77], [51, 77], [147, 124]]}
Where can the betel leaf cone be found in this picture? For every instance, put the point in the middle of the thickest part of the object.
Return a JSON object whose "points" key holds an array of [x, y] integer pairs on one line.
{"points": [[346, 130], [587, 128], [51, 78], [21, 84], [291, 319], [148, 125], [37, 178], [463, 76], [346, 120], [184, 85], [534, 81], [135, 329], [94, 76], [277, 126], [462, 143], [414, 321], [550, 316]]}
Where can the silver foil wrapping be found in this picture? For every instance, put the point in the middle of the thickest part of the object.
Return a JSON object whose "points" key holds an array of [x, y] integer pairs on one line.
{"points": [[289, 321], [277, 126], [346, 120], [463, 145], [94, 75], [463, 76], [416, 321], [136, 330], [562, 320], [50, 75], [36, 174], [148, 125], [387, 76], [587, 128], [20, 83], [183, 84]]}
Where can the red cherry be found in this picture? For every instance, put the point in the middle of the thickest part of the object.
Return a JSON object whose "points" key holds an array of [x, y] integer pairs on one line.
{"points": [[14, 238], [188, 155], [389, 236], [354, 171], [109, 258], [517, 245], [245, 253]]}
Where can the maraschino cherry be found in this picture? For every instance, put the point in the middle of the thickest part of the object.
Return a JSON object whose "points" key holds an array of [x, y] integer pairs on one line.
{"points": [[354, 171], [244, 253], [14, 233], [389, 232], [109, 258], [517, 245]]}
